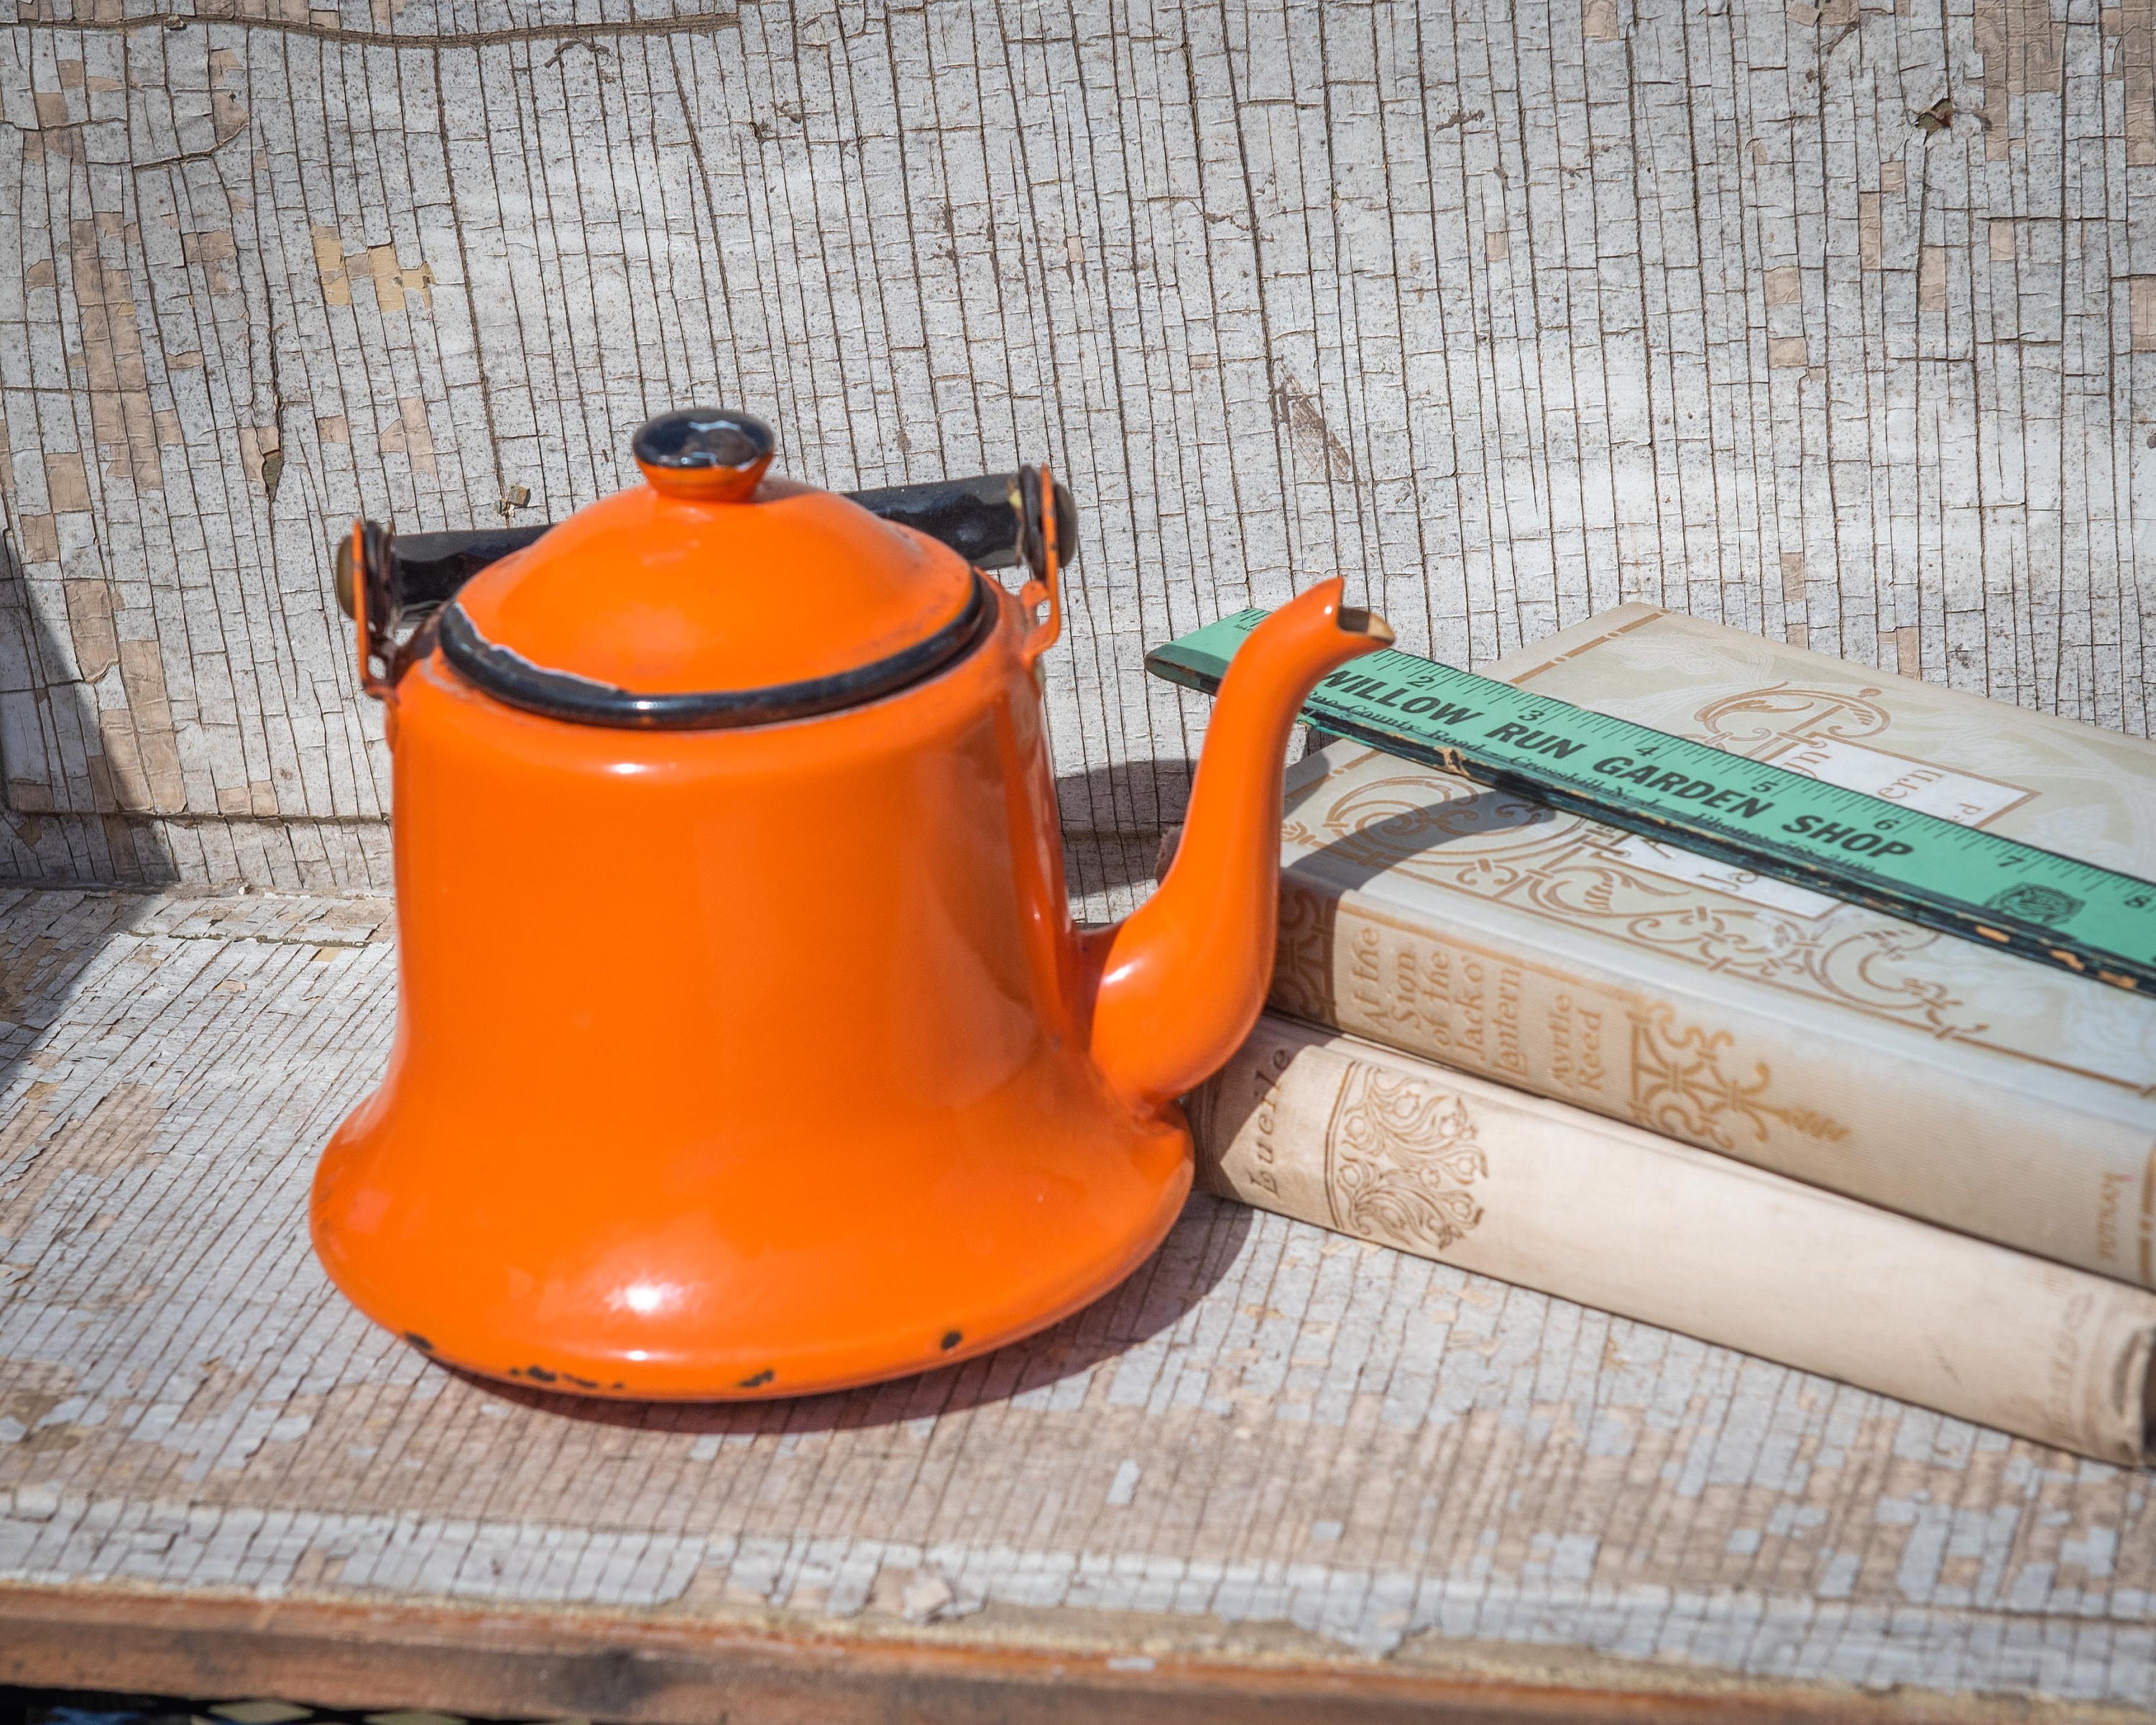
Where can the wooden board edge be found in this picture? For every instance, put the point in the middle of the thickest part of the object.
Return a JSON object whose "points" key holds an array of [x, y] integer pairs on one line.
{"points": [[482, 1663]]}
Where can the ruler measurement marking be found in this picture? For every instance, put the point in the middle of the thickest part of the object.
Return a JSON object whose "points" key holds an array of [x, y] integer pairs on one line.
{"points": [[1844, 843]]}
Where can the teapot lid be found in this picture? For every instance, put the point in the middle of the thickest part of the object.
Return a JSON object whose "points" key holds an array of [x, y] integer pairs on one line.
{"points": [[712, 595]]}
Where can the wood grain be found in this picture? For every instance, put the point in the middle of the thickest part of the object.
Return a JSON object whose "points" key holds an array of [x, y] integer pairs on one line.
{"points": [[1834, 322], [1271, 1444], [1837, 323], [612, 1667]]}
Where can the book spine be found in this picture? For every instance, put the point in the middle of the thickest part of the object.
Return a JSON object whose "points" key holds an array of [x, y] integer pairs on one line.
{"points": [[1800, 1095], [1411, 1155]]}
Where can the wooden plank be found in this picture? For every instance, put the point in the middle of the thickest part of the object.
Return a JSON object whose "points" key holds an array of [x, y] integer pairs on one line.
{"points": [[1271, 1447], [1512, 312], [645, 1673]]}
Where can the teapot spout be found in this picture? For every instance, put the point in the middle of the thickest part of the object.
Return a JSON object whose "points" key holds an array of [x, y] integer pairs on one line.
{"points": [[1182, 980]]}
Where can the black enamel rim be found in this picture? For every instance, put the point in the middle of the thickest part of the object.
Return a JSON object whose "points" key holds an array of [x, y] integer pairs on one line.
{"points": [[509, 676]]}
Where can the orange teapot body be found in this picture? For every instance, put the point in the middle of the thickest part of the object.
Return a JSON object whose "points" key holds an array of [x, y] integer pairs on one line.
{"points": [[745, 1044]]}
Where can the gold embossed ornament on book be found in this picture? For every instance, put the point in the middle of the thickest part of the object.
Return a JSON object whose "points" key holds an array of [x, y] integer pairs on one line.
{"points": [[1730, 1009]]}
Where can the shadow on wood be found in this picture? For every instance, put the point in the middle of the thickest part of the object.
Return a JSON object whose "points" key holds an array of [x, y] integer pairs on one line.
{"points": [[80, 778]]}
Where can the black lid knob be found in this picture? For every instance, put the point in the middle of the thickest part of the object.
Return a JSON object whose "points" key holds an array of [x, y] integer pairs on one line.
{"points": [[711, 454]]}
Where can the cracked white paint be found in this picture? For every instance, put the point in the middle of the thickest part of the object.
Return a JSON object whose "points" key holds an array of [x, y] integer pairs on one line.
{"points": [[1511, 312], [1267, 1424]]}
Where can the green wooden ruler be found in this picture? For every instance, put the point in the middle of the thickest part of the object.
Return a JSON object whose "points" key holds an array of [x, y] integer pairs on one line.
{"points": [[1849, 846]]}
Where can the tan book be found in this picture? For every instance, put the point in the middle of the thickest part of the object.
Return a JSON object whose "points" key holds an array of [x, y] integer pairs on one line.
{"points": [[1911, 1070], [1371, 1142]]}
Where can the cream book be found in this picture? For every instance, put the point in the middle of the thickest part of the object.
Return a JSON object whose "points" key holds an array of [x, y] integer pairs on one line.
{"points": [[1371, 1142], [1911, 1070]]}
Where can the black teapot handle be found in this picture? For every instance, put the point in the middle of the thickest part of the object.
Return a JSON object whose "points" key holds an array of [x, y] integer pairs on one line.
{"points": [[410, 576], [982, 519]]}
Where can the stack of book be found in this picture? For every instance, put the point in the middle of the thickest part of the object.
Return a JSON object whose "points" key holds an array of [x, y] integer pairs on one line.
{"points": [[1540, 1048]]}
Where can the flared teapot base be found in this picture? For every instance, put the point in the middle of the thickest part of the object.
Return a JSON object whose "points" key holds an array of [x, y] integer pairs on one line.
{"points": [[751, 1295]]}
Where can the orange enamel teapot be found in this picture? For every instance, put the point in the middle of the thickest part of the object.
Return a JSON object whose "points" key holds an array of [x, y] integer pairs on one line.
{"points": [[745, 1044]]}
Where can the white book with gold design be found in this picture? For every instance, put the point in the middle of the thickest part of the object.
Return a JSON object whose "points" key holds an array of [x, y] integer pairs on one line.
{"points": [[1375, 1143], [1813, 1038]]}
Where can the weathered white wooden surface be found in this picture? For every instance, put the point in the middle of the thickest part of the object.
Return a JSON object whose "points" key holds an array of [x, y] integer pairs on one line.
{"points": [[1269, 1434], [1513, 311]]}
